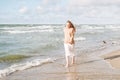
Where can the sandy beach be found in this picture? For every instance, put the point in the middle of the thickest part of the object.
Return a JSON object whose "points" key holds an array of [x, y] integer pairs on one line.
{"points": [[36, 36], [113, 58], [87, 67]]}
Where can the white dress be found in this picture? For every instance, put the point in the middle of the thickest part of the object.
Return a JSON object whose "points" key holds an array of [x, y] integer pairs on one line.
{"points": [[69, 49]]}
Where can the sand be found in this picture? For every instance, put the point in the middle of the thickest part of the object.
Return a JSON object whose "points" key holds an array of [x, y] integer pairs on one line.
{"points": [[113, 58], [87, 67]]}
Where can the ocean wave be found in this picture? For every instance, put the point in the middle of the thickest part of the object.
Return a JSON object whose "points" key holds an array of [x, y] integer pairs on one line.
{"points": [[112, 27], [28, 31], [23, 66], [9, 58], [99, 27], [91, 27], [40, 27], [80, 38]]}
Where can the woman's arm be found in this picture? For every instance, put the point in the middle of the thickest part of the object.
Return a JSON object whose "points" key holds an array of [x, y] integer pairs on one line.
{"points": [[71, 36]]}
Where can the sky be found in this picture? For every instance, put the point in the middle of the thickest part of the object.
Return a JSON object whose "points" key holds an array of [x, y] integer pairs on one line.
{"points": [[59, 11]]}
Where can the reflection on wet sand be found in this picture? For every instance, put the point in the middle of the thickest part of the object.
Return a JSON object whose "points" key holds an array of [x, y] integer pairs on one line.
{"points": [[72, 73]]}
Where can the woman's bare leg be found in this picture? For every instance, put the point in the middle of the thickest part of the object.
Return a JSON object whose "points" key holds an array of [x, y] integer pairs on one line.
{"points": [[67, 61], [73, 59]]}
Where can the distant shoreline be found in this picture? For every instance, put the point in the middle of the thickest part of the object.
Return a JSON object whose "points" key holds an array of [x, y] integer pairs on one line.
{"points": [[51, 24]]}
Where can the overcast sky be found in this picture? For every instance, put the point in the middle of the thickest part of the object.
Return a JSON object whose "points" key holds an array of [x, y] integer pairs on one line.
{"points": [[59, 11]]}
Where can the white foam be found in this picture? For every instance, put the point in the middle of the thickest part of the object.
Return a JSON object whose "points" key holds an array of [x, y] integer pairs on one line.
{"points": [[26, 27], [98, 27], [112, 27], [80, 38], [23, 66], [28, 31], [91, 27], [41, 27]]}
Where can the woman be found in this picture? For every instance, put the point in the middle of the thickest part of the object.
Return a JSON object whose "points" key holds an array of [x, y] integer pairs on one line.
{"points": [[69, 42]]}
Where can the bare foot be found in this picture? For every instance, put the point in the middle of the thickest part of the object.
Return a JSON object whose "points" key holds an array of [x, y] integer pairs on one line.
{"points": [[73, 63], [66, 65]]}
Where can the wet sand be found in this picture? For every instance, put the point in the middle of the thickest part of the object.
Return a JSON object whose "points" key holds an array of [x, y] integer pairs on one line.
{"points": [[87, 67], [113, 58]]}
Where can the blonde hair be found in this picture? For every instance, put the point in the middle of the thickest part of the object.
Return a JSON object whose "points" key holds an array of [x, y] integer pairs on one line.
{"points": [[71, 25]]}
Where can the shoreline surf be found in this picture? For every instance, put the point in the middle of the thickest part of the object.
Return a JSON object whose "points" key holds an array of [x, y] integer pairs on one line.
{"points": [[47, 40]]}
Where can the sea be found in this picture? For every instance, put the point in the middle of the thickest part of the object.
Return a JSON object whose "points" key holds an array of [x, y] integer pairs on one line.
{"points": [[24, 46]]}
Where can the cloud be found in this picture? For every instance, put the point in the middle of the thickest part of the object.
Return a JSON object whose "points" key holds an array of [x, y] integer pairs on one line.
{"points": [[94, 8], [56, 9], [40, 9], [94, 2], [23, 10], [61, 10], [78, 10], [51, 2]]}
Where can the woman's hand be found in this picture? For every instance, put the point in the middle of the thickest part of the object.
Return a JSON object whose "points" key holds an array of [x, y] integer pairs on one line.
{"points": [[70, 42]]}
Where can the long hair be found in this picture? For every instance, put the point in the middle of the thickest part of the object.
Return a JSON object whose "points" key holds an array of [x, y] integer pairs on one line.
{"points": [[71, 25]]}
